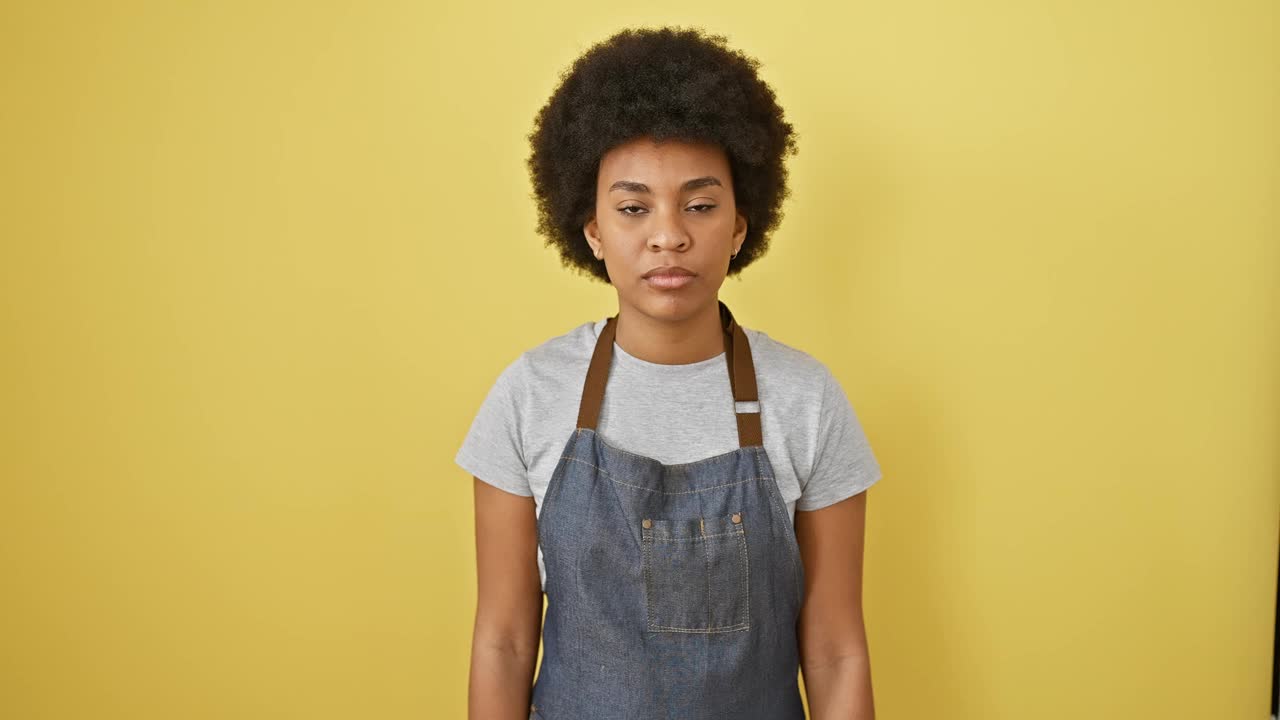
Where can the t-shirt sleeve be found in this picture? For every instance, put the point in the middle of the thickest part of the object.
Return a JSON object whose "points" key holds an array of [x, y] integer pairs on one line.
{"points": [[844, 464], [493, 449]]}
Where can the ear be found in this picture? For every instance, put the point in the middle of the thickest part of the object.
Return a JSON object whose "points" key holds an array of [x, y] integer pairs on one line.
{"points": [[592, 232], [739, 231]]}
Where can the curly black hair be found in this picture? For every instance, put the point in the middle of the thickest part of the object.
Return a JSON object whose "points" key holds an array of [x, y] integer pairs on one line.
{"points": [[667, 82]]}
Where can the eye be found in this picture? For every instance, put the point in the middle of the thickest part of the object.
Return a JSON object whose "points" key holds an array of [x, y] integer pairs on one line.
{"points": [[700, 208]]}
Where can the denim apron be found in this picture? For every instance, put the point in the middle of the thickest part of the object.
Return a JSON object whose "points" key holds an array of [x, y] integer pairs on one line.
{"points": [[673, 591]]}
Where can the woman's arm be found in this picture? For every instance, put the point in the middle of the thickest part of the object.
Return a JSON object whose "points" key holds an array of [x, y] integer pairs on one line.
{"points": [[508, 624], [833, 641]]}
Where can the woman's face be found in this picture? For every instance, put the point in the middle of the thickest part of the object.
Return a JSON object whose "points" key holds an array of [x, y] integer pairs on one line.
{"points": [[665, 205]]}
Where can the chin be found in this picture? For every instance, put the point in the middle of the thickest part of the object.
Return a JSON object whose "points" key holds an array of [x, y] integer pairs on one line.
{"points": [[670, 305]]}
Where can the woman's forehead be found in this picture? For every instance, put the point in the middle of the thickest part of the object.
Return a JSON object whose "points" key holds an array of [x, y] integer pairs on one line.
{"points": [[665, 161]]}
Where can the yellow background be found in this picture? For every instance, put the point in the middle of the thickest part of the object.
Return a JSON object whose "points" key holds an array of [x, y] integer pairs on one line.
{"points": [[262, 260]]}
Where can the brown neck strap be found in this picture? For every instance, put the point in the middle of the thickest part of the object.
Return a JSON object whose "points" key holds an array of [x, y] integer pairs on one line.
{"points": [[742, 377]]}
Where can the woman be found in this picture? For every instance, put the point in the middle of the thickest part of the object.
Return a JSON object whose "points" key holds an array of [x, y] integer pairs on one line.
{"points": [[688, 493]]}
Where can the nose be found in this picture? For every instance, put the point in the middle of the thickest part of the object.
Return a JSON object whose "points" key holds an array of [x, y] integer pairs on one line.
{"points": [[669, 232]]}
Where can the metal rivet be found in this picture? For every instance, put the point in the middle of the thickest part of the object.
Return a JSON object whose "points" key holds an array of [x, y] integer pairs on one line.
{"points": [[647, 523], [737, 518]]}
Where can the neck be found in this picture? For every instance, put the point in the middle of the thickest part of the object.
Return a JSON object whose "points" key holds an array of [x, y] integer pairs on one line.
{"points": [[691, 339]]}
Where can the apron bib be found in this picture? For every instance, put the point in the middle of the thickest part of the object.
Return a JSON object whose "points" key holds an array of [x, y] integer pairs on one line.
{"points": [[673, 591]]}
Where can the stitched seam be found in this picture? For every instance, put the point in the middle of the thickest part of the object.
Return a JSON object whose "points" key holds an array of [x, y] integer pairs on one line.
{"points": [[706, 580], [648, 602], [726, 628], [699, 537], [797, 563], [752, 448], [680, 492], [746, 577]]}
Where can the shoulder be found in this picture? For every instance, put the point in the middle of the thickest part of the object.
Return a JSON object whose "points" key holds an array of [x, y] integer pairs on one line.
{"points": [[568, 346], [563, 353], [553, 362], [786, 371]]}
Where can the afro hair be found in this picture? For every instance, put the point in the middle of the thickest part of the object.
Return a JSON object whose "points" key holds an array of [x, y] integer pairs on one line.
{"points": [[667, 82]]}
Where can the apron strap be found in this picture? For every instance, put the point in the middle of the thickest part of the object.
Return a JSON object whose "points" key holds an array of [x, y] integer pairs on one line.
{"points": [[742, 377]]}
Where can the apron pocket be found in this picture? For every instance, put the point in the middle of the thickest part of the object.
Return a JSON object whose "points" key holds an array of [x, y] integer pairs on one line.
{"points": [[696, 574]]}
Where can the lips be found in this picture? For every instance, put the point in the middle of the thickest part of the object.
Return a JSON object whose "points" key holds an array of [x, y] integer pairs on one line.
{"points": [[669, 271], [669, 277]]}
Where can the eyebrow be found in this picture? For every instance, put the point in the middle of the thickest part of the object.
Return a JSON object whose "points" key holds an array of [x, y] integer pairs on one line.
{"points": [[694, 184]]}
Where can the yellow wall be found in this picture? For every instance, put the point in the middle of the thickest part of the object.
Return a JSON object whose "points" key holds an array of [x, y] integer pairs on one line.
{"points": [[261, 261]]}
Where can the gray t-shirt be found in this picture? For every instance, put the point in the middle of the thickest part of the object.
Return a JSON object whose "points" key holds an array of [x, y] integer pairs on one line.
{"points": [[812, 436]]}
